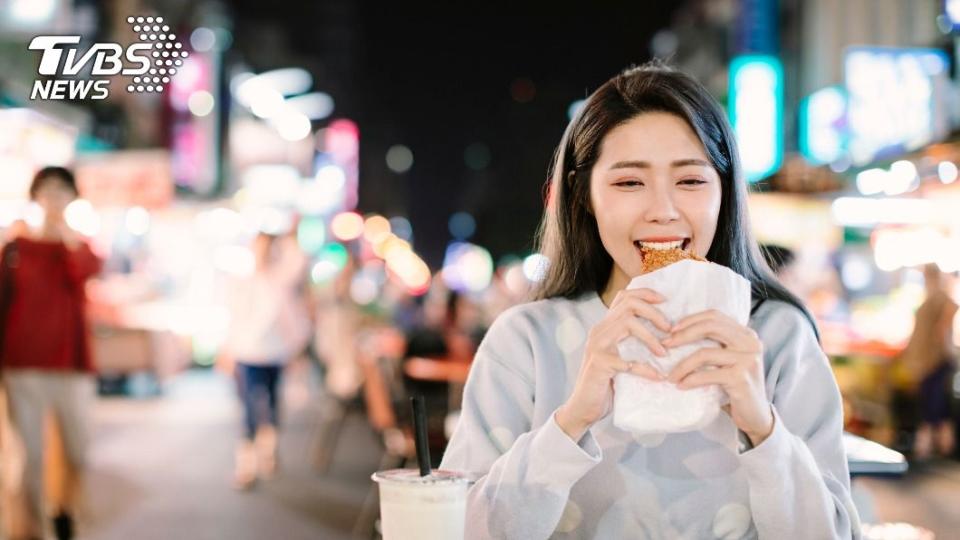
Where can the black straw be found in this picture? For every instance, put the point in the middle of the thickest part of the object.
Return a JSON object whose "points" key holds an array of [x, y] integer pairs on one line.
{"points": [[420, 431]]}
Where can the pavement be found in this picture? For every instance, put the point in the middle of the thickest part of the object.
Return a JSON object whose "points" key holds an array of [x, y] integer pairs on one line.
{"points": [[928, 496], [160, 468]]}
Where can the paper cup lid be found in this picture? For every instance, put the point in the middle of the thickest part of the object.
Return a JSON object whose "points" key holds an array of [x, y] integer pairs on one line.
{"points": [[412, 476]]}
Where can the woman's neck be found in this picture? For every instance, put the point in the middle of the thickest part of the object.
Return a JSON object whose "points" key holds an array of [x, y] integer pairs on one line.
{"points": [[44, 233], [617, 282], [52, 224]]}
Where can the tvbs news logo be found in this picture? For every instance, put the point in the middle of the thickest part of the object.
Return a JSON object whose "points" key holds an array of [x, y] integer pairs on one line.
{"points": [[150, 63]]}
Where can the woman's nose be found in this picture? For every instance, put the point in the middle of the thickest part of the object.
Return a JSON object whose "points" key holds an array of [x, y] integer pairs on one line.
{"points": [[661, 208]]}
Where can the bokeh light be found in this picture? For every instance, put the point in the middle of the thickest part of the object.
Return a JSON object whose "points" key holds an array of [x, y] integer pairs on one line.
{"points": [[347, 226], [375, 229], [947, 171], [203, 39], [523, 90], [200, 103], [335, 253], [477, 156], [462, 225], [363, 290], [399, 158], [467, 267], [535, 267], [81, 217], [402, 228], [311, 234], [137, 221]]}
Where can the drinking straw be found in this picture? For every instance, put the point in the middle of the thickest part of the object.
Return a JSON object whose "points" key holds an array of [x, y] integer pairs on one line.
{"points": [[420, 431]]}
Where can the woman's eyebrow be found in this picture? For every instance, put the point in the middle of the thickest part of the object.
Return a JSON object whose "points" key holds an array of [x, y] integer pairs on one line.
{"points": [[632, 164]]}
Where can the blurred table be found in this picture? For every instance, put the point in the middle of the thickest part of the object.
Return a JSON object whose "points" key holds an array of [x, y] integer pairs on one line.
{"points": [[867, 458], [436, 369]]}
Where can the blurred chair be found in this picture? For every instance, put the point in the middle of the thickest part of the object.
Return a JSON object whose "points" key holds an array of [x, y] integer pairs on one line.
{"points": [[387, 404], [335, 414], [377, 357], [384, 396]]}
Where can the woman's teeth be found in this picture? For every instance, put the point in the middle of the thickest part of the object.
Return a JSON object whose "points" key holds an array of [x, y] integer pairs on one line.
{"points": [[661, 245]]}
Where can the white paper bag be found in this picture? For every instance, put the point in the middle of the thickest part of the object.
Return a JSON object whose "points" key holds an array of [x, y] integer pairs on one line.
{"points": [[642, 406]]}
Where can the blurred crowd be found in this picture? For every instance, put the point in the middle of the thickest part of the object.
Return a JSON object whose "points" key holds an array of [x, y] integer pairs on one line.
{"points": [[371, 353]]}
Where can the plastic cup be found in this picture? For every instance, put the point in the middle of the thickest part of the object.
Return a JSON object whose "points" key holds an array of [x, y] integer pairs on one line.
{"points": [[421, 507]]}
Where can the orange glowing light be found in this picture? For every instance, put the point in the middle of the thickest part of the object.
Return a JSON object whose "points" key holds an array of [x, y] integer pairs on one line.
{"points": [[347, 226]]}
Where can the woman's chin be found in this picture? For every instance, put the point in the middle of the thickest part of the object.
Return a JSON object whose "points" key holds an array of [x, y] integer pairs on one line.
{"points": [[633, 271]]}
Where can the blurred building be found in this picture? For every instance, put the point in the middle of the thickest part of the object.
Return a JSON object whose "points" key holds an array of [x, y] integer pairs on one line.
{"points": [[846, 114], [232, 128]]}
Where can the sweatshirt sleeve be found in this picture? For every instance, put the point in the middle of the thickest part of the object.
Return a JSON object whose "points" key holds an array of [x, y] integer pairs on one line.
{"points": [[798, 477], [524, 472]]}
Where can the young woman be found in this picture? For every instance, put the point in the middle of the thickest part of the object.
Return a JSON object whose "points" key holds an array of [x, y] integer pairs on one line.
{"points": [[650, 158], [45, 353], [268, 326]]}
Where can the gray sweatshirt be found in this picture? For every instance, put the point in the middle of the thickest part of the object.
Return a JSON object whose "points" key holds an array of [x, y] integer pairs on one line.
{"points": [[536, 482]]}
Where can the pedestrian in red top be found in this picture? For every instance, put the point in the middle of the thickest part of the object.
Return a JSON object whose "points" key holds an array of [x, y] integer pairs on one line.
{"points": [[44, 346]]}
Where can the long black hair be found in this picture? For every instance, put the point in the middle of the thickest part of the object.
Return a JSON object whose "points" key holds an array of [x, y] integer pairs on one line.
{"points": [[568, 235]]}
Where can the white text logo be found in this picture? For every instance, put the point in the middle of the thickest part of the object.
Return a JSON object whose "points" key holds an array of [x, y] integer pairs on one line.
{"points": [[151, 62]]}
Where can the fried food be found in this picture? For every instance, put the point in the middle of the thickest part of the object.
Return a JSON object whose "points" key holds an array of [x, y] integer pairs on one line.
{"points": [[655, 259]]}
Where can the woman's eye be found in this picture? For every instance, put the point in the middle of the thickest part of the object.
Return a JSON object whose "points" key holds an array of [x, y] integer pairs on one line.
{"points": [[628, 183], [693, 181]]}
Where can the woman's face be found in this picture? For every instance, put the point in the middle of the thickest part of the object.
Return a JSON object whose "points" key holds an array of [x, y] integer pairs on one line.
{"points": [[653, 183], [53, 195]]}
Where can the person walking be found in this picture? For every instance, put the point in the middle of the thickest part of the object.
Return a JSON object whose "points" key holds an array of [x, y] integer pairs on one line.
{"points": [[45, 360], [268, 326]]}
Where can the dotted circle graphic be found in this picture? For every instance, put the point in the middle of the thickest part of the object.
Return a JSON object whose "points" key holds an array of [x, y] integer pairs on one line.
{"points": [[152, 30]]}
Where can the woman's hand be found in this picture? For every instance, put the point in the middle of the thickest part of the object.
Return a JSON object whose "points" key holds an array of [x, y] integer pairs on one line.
{"points": [[17, 229], [592, 395], [739, 368]]}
